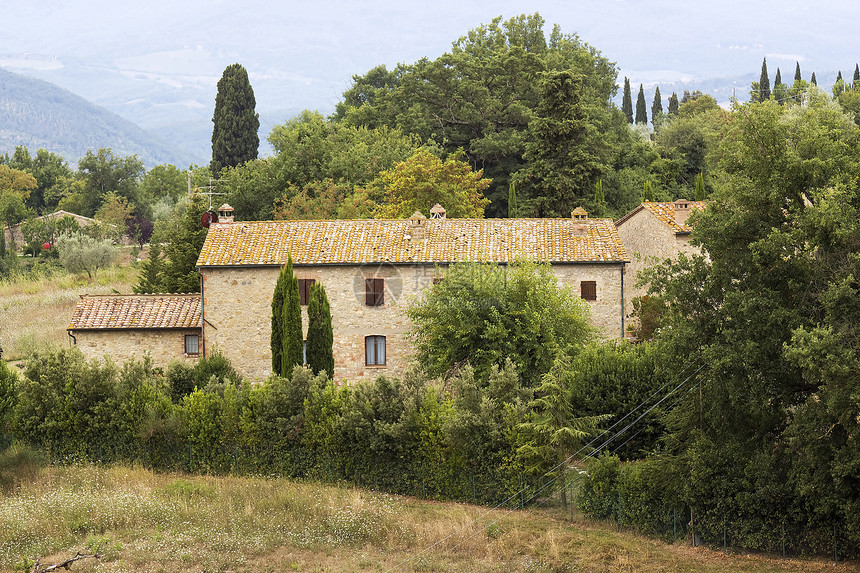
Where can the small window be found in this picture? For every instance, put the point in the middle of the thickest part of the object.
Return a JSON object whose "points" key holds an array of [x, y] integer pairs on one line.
{"points": [[588, 290], [192, 344], [374, 292], [374, 350], [305, 290]]}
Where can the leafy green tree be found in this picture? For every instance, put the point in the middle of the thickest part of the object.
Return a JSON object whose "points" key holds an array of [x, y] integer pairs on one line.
{"points": [[641, 112], [113, 215], [673, 104], [320, 335], [292, 341], [483, 314], [656, 107], [15, 187], [234, 134], [627, 102], [52, 174], [424, 180], [82, 253], [99, 174], [563, 150], [763, 83]]}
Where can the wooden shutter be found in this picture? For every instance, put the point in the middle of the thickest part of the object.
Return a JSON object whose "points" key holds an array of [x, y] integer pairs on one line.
{"points": [[588, 290], [374, 292], [305, 290]]}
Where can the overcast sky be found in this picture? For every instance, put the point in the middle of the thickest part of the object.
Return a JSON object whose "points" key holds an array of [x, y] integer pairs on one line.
{"points": [[158, 60]]}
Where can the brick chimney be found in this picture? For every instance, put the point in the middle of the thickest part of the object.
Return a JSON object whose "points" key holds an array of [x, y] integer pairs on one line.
{"points": [[225, 213], [580, 220], [417, 226], [681, 210]]}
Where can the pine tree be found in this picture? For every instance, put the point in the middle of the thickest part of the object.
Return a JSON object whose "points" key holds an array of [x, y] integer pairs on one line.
{"points": [[700, 187], [673, 104], [291, 324], [797, 76], [764, 83], [151, 271], [278, 297], [812, 80], [512, 200], [656, 107], [627, 102], [320, 336], [641, 113], [234, 135]]}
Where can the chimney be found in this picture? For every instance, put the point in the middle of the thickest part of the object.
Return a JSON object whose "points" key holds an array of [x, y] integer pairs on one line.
{"points": [[225, 213], [580, 220], [417, 227], [681, 210], [437, 212]]}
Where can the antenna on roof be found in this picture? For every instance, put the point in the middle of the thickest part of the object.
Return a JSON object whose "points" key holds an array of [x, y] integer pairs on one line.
{"points": [[210, 190]]}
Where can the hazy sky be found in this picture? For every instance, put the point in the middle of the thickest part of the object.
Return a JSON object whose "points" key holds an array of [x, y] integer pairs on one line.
{"points": [[157, 61]]}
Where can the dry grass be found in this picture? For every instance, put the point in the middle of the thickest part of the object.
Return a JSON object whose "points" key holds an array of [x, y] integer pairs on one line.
{"points": [[143, 521], [35, 313]]}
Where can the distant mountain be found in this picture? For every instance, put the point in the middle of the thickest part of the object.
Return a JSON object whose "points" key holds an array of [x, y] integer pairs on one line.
{"points": [[38, 114]]}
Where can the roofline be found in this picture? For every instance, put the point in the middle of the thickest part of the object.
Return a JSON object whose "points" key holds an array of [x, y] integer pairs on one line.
{"points": [[626, 217], [79, 328], [402, 263]]}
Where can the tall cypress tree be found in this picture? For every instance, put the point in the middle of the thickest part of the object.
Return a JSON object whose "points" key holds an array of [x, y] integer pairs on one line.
{"points": [[627, 102], [320, 336], [856, 83], [641, 113], [673, 104], [512, 200], [656, 107], [700, 187], [764, 83], [291, 321], [797, 76], [777, 78], [812, 80], [648, 192], [278, 297], [234, 135]]}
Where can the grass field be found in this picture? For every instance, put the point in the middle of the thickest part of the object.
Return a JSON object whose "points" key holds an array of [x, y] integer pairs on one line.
{"points": [[35, 313], [142, 521]]}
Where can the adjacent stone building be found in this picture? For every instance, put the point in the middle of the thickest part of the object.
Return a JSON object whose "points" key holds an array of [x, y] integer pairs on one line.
{"points": [[372, 268], [167, 326], [654, 232]]}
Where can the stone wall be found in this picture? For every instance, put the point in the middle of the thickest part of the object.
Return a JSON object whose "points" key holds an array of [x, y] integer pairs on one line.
{"points": [[237, 306], [648, 240], [163, 345]]}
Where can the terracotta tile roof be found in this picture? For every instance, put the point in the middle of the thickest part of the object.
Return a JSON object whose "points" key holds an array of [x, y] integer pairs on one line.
{"points": [[100, 312], [392, 241], [665, 211]]}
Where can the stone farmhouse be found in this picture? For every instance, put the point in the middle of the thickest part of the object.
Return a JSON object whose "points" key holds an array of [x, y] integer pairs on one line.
{"points": [[654, 232], [167, 326], [371, 269]]}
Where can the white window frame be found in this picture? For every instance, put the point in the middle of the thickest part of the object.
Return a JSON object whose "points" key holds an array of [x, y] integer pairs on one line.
{"points": [[374, 350]]}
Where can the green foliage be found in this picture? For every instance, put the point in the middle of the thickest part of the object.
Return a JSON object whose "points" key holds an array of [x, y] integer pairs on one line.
{"points": [[320, 354], [292, 341], [234, 134], [99, 174], [763, 83], [424, 180], [627, 102], [512, 200], [8, 397], [657, 108], [82, 253], [673, 104], [38, 232], [279, 296], [483, 314], [52, 174], [641, 110]]}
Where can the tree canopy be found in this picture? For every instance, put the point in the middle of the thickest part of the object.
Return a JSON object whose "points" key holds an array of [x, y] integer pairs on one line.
{"points": [[234, 134]]}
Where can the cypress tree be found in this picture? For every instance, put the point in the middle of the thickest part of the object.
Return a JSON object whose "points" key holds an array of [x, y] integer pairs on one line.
{"points": [[641, 113], [797, 76], [152, 271], [234, 135], [291, 321], [278, 297], [839, 76], [512, 200], [673, 104], [764, 83], [656, 107], [700, 187], [599, 197], [812, 80], [856, 83], [627, 102], [320, 335], [648, 192]]}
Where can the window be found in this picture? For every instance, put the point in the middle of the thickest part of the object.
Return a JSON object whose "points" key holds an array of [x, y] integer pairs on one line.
{"points": [[305, 290], [374, 290], [374, 350], [588, 290], [192, 344]]}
